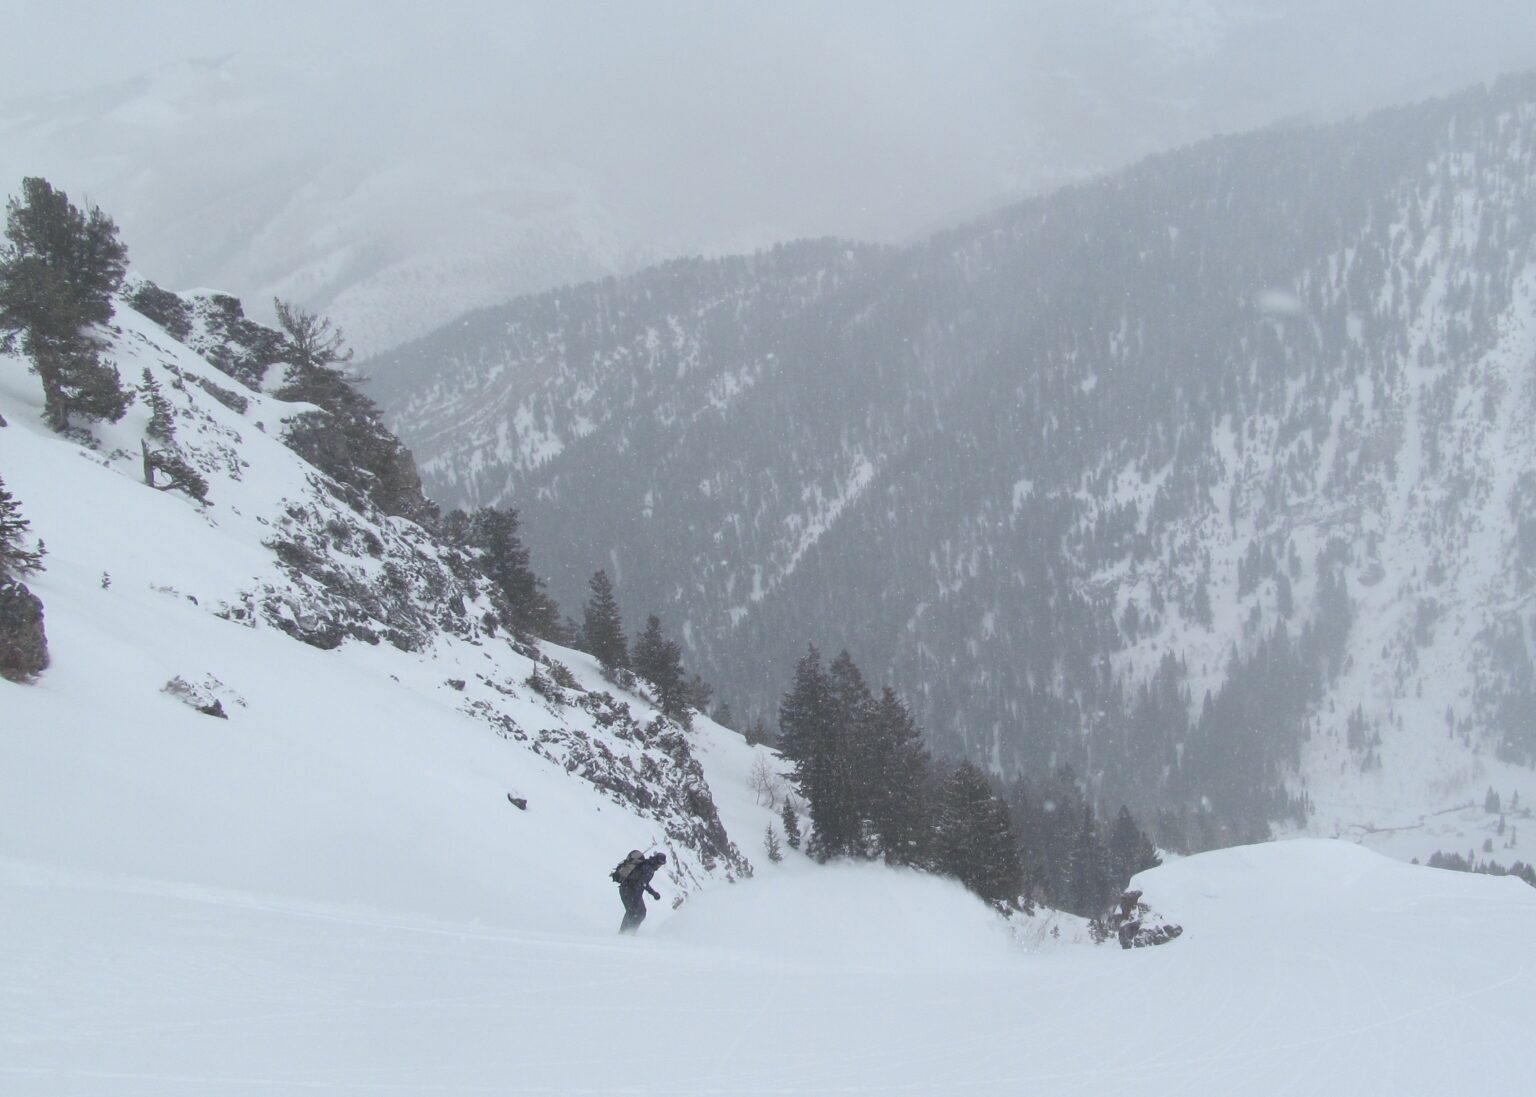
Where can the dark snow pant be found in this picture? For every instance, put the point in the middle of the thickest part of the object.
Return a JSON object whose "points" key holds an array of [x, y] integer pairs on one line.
{"points": [[634, 908]]}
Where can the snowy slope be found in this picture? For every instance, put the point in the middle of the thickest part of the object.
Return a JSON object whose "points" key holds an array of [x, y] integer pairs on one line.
{"points": [[1308, 967], [374, 774]]}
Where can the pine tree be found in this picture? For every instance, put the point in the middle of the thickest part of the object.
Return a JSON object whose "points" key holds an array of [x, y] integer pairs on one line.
{"points": [[697, 693], [506, 563], [809, 737], [346, 439], [660, 662], [162, 419], [58, 272], [16, 558], [602, 627], [771, 845], [791, 821], [855, 777], [975, 841], [166, 459], [179, 473], [1091, 886], [315, 344], [1130, 850], [759, 731], [899, 811]]}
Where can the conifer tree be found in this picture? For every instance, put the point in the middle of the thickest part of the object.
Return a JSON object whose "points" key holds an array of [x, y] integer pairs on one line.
{"points": [[166, 459], [23, 639], [975, 841], [1130, 850], [346, 438], [16, 559], [1091, 884], [846, 827], [808, 737], [697, 693], [602, 626], [178, 472], [898, 807], [771, 845], [758, 731], [791, 821], [506, 563], [660, 662], [315, 344], [58, 271], [162, 419]]}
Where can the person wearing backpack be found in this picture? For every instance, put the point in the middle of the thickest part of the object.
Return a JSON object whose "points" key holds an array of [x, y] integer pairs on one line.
{"points": [[633, 875]]}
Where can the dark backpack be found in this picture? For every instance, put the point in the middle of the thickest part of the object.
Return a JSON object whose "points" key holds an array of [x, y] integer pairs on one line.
{"points": [[622, 871]]}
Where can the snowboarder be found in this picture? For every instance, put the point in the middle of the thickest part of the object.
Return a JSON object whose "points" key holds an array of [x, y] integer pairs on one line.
{"points": [[633, 875]]}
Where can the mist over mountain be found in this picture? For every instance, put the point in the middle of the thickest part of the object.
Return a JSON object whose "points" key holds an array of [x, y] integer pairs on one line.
{"points": [[1209, 478], [466, 157]]}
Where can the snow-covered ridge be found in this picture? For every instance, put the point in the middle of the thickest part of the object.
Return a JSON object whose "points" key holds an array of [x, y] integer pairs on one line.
{"points": [[327, 633]]}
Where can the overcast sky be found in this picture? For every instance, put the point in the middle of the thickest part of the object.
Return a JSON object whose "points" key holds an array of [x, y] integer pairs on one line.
{"points": [[396, 163], [867, 118]]}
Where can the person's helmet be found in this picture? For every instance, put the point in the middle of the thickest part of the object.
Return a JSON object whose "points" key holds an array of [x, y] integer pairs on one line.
{"points": [[659, 858]]}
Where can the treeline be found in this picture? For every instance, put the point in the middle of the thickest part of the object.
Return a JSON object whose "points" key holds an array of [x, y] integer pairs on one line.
{"points": [[873, 792], [1457, 863]]}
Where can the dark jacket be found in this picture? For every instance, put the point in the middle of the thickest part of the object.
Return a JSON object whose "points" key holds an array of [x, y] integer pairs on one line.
{"points": [[640, 876]]}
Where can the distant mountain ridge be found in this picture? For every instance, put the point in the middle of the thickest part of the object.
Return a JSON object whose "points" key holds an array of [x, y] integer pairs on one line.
{"points": [[1247, 422]]}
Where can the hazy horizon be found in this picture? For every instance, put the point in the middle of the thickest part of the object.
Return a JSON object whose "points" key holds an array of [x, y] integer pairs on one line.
{"points": [[400, 165]]}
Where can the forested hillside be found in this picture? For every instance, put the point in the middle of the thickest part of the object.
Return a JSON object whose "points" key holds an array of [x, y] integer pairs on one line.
{"points": [[1211, 479]]}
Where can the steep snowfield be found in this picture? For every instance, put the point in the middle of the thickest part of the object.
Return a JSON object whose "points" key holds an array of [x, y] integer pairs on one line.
{"points": [[364, 775]]}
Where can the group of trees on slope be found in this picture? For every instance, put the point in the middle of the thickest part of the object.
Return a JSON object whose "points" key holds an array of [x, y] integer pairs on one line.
{"points": [[872, 791], [60, 269], [654, 657]]}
